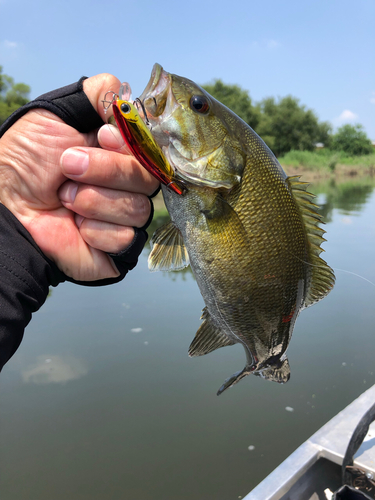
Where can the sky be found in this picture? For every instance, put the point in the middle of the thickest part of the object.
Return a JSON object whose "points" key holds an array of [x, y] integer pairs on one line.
{"points": [[322, 52]]}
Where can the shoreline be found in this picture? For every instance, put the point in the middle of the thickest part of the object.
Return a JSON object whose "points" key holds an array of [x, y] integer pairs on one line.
{"points": [[340, 171]]}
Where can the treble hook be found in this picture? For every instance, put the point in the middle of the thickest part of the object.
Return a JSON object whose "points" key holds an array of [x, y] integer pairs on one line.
{"points": [[106, 103], [143, 109]]}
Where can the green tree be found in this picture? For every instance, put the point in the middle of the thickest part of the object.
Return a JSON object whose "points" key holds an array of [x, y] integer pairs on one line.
{"points": [[353, 140], [12, 95], [236, 99], [285, 125]]}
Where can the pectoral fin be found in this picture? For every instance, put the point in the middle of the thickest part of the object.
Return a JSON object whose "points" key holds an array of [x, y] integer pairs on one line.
{"points": [[168, 249], [208, 337]]}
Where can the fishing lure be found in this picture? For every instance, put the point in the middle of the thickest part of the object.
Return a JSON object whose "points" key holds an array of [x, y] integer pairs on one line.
{"points": [[140, 140]]}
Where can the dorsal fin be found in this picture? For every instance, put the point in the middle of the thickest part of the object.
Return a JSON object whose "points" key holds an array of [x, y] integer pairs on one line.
{"points": [[322, 276], [208, 337], [168, 249]]}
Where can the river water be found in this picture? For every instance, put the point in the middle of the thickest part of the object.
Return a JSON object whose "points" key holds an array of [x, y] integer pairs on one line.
{"points": [[101, 401]]}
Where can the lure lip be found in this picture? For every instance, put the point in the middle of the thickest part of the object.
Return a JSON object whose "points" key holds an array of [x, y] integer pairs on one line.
{"points": [[154, 169]]}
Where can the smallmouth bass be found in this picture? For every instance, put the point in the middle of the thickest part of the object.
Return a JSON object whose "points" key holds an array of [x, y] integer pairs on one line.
{"points": [[250, 233]]}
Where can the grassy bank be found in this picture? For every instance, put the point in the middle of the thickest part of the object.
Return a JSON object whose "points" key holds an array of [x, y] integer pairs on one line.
{"points": [[326, 163]]}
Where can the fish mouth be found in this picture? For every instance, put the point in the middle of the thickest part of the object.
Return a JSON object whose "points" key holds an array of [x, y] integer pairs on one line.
{"points": [[155, 95], [156, 73]]}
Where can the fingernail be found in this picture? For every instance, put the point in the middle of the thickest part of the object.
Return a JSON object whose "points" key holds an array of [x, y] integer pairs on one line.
{"points": [[68, 192], [74, 162], [110, 137]]}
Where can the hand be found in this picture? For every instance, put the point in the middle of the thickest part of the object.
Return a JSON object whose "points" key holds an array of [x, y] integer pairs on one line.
{"points": [[78, 195]]}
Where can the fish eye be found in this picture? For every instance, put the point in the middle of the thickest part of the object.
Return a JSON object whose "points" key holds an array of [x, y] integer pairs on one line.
{"points": [[125, 108], [200, 104]]}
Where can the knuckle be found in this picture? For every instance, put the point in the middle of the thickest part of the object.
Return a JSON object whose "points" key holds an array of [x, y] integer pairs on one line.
{"points": [[124, 238], [141, 209], [87, 201]]}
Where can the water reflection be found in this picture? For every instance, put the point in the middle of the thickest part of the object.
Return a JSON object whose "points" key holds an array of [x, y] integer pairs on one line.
{"points": [[346, 195], [54, 370]]}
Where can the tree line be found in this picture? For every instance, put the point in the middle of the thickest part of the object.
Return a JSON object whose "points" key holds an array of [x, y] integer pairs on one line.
{"points": [[12, 95], [284, 124]]}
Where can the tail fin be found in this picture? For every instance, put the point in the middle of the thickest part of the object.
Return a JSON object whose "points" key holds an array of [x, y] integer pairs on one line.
{"points": [[277, 372]]}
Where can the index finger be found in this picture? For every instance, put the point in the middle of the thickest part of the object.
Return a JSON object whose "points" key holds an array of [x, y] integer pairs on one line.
{"points": [[96, 87], [109, 169]]}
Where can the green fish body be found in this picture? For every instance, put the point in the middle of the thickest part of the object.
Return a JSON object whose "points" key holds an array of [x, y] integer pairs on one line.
{"points": [[250, 233]]}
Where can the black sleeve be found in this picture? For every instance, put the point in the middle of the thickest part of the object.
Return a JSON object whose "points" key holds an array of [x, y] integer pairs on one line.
{"points": [[25, 272], [25, 277]]}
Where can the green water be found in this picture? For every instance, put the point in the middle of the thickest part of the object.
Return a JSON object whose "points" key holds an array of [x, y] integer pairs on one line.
{"points": [[101, 400]]}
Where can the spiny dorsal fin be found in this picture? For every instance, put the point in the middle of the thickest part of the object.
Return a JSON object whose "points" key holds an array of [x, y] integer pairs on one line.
{"points": [[322, 276], [208, 337], [168, 249]]}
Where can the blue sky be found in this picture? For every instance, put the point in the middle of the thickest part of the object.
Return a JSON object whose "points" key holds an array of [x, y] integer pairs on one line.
{"points": [[322, 52]]}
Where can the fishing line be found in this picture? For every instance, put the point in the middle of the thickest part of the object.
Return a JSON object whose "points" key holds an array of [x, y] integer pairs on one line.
{"points": [[354, 274], [301, 260], [309, 263], [324, 268], [335, 269]]}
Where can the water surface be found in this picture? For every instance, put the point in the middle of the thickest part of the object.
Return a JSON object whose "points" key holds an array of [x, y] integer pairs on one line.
{"points": [[101, 400]]}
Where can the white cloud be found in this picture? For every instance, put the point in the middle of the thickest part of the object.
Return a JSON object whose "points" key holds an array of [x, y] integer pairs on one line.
{"points": [[10, 45], [346, 116], [269, 44], [273, 44], [372, 99]]}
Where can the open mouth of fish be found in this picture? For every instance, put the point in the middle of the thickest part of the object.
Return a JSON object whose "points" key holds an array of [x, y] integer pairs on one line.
{"points": [[158, 86]]}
